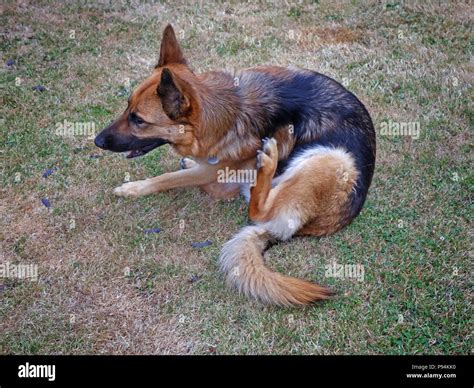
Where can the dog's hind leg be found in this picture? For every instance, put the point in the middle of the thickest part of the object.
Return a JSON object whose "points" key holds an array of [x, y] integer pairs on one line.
{"points": [[267, 161], [311, 196]]}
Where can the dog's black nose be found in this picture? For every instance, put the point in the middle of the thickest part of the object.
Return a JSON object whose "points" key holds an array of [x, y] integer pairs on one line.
{"points": [[100, 141]]}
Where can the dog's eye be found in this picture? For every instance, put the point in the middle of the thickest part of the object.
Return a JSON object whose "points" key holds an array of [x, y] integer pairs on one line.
{"points": [[135, 119]]}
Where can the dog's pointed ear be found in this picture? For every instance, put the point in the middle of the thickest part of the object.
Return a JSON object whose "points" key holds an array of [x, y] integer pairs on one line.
{"points": [[175, 102], [170, 51]]}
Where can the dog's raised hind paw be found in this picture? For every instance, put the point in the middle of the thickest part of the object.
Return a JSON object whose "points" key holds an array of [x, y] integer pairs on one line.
{"points": [[263, 160], [267, 157], [269, 146]]}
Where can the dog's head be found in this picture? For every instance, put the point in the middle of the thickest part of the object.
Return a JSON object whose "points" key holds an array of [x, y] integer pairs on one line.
{"points": [[161, 110]]}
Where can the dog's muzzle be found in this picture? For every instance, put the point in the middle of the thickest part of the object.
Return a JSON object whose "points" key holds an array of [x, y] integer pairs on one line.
{"points": [[107, 140]]}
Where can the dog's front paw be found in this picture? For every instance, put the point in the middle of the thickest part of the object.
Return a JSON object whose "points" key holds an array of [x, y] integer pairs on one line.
{"points": [[186, 163], [131, 189]]}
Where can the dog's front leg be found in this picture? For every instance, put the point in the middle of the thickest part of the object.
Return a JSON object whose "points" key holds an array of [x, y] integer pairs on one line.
{"points": [[196, 176]]}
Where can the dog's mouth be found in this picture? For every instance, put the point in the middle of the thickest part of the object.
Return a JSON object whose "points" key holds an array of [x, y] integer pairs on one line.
{"points": [[108, 140], [135, 153]]}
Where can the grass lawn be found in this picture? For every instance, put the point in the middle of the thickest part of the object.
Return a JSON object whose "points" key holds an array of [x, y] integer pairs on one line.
{"points": [[106, 286]]}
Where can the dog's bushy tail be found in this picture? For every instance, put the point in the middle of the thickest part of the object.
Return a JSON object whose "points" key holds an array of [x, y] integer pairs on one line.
{"points": [[242, 262]]}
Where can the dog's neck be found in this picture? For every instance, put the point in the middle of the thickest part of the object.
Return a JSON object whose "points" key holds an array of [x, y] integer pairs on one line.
{"points": [[230, 113]]}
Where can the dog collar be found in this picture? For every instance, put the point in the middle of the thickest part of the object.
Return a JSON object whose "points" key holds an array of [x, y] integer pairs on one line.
{"points": [[212, 160]]}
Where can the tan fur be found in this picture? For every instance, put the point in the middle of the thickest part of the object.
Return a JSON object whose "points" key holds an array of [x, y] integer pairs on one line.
{"points": [[222, 190]]}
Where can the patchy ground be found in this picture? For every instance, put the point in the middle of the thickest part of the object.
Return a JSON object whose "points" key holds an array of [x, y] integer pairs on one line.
{"points": [[105, 286]]}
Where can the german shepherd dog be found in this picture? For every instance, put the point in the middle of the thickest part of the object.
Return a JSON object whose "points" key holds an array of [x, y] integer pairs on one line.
{"points": [[309, 140]]}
